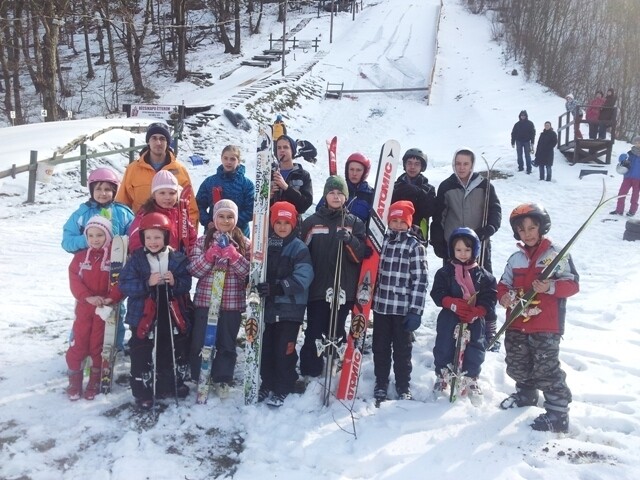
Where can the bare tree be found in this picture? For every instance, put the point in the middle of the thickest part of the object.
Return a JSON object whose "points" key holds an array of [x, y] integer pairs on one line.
{"points": [[85, 30]]}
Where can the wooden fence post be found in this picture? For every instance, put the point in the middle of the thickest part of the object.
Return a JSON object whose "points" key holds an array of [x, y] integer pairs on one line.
{"points": [[33, 169], [83, 166], [132, 143]]}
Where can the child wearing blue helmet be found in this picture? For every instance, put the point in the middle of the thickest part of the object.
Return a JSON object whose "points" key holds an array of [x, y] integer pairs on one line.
{"points": [[466, 292]]}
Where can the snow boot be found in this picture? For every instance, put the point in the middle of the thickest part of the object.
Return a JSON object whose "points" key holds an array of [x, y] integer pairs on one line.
{"points": [[263, 394], [552, 421], [74, 390], [522, 398], [380, 393], [93, 387], [439, 387], [473, 391], [277, 400]]}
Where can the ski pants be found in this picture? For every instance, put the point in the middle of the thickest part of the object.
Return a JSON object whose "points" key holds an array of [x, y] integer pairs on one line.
{"points": [[632, 184], [318, 319], [532, 361], [87, 337], [445, 348], [279, 357], [142, 357], [390, 340]]}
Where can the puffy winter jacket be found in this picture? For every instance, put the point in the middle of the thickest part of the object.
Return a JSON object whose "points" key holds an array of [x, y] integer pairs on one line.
{"points": [[319, 233], [232, 186], [634, 164], [289, 265], [134, 283], [420, 193], [73, 238], [523, 267], [135, 188], [300, 191], [544, 150]]}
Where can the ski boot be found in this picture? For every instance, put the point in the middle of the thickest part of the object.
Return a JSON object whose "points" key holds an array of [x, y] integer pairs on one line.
{"points": [[380, 393], [522, 398], [263, 394], [93, 387], [404, 393], [440, 388], [74, 390], [552, 421]]}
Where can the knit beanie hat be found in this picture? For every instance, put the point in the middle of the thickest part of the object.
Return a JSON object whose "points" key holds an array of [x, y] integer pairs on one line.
{"points": [[102, 223], [403, 210], [158, 129], [225, 206], [569, 96], [291, 141], [335, 182], [636, 139], [283, 211], [164, 179]]}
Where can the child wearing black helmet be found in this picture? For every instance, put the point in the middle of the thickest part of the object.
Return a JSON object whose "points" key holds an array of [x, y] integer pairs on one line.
{"points": [[532, 342], [466, 292]]}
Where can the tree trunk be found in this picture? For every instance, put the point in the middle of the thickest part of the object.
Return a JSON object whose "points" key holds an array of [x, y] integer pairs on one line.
{"points": [[181, 39], [85, 28]]}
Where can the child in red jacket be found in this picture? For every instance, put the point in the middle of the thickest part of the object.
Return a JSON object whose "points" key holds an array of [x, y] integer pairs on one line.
{"points": [[532, 341], [89, 282]]}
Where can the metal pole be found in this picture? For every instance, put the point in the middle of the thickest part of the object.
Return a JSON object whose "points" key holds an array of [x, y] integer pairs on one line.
{"points": [[284, 35], [33, 168], [132, 143], [83, 165], [333, 5]]}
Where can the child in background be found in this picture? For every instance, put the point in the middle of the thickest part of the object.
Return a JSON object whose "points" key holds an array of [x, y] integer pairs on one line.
{"points": [[153, 279], [629, 163], [532, 341], [103, 185], [466, 292], [322, 232], [89, 282], [398, 301], [229, 183], [289, 275], [205, 254], [165, 199]]}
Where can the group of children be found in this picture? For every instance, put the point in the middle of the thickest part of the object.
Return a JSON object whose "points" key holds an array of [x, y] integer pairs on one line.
{"points": [[301, 266]]}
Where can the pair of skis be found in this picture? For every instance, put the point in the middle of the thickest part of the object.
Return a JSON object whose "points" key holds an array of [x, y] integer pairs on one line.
{"points": [[119, 247], [209, 347], [254, 323]]}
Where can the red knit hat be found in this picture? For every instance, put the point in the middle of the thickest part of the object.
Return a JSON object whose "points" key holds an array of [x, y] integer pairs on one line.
{"points": [[403, 210], [283, 211]]}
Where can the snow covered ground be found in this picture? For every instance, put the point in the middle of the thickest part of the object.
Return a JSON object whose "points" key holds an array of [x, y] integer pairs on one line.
{"points": [[474, 102]]}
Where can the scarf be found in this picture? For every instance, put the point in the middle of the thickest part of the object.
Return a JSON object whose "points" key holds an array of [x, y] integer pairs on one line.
{"points": [[464, 280]]}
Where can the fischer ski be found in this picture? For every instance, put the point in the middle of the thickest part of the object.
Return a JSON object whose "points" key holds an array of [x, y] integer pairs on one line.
{"points": [[254, 323], [119, 247], [350, 373], [208, 352], [332, 146], [522, 304]]}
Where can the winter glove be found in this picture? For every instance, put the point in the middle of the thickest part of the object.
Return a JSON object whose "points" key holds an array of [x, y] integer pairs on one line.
{"points": [[368, 251], [230, 253], [406, 191], [457, 305], [212, 253], [344, 236], [485, 232], [411, 322], [473, 313], [267, 289]]}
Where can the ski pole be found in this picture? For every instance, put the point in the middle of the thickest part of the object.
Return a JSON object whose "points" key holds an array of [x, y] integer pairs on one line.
{"points": [[173, 345]]}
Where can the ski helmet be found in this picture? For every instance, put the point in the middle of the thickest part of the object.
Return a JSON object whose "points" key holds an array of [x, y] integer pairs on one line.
{"points": [[155, 220], [415, 153], [362, 160], [535, 210], [468, 233], [103, 174]]}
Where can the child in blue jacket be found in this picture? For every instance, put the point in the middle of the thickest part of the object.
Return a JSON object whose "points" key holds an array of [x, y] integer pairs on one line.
{"points": [[289, 275], [155, 279]]}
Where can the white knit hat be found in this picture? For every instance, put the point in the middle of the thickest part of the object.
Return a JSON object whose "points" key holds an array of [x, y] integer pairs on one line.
{"points": [[164, 179], [228, 206], [104, 224]]}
